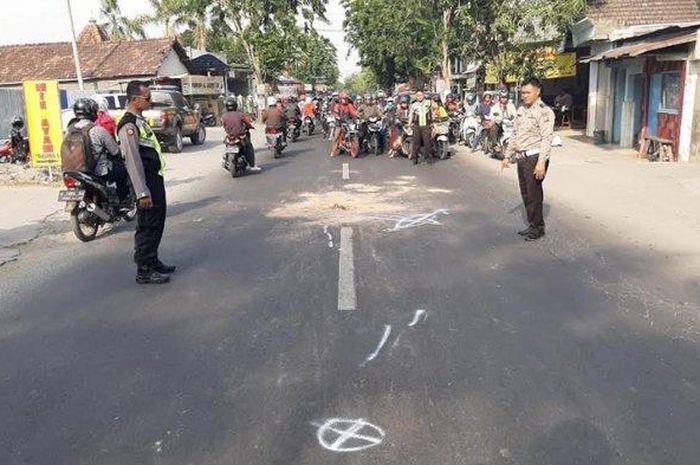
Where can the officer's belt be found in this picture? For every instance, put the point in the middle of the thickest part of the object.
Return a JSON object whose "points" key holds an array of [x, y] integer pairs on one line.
{"points": [[527, 153]]}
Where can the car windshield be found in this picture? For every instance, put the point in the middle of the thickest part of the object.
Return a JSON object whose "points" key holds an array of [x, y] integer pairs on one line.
{"points": [[161, 99]]}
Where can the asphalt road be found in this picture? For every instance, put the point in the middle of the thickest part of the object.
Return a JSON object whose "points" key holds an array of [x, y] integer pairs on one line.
{"points": [[465, 346]]}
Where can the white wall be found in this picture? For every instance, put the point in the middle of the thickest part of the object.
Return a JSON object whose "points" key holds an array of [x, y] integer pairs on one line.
{"points": [[172, 66], [689, 104]]}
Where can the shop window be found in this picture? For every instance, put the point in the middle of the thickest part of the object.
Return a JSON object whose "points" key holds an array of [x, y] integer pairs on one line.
{"points": [[670, 93]]}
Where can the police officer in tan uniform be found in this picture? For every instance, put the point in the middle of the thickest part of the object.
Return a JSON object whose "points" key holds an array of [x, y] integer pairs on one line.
{"points": [[529, 148]]}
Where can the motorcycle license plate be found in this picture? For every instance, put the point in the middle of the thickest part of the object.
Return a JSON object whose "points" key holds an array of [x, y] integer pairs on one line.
{"points": [[71, 195], [234, 149]]}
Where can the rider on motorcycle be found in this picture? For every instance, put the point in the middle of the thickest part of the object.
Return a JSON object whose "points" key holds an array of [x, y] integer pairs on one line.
{"points": [[503, 110], [237, 126], [402, 120], [292, 112], [368, 110], [273, 117], [451, 104], [342, 109], [109, 166]]}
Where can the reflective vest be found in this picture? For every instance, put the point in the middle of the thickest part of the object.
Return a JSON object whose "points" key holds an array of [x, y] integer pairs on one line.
{"points": [[149, 147]]}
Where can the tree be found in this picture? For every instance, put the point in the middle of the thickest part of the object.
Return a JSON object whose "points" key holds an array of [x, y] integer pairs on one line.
{"points": [[191, 14], [395, 40], [262, 26], [510, 34], [361, 83], [314, 59], [120, 27]]}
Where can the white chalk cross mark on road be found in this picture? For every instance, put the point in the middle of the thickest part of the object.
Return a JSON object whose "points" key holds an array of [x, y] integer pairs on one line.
{"points": [[341, 435], [346, 170]]}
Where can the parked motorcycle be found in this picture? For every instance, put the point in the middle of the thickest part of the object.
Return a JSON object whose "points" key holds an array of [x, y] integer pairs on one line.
{"points": [[441, 130], [275, 141], [234, 160], [375, 128], [16, 148], [209, 120], [308, 126], [92, 204]]}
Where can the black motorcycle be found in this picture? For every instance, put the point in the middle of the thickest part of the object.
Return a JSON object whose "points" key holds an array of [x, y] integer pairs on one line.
{"points": [[309, 125], [92, 204], [234, 160], [293, 129], [375, 128], [455, 125], [209, 120]]}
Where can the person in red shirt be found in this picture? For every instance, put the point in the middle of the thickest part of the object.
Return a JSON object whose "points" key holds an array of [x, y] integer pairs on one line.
{"points": [[343, 109], [104, 119]]}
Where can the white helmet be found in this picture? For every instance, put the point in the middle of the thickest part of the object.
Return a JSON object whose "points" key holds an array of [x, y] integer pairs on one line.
{"points": [[271, 101]]}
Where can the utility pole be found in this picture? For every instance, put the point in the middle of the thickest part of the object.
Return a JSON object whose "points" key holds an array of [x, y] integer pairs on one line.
{"points": [[74, 43]]}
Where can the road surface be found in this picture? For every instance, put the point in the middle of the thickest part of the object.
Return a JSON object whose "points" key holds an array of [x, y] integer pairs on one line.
{"points": [[389, 318]]}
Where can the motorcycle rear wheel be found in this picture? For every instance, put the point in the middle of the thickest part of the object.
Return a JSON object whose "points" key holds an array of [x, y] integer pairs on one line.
{"points": [[354, 148], [83, 235]]}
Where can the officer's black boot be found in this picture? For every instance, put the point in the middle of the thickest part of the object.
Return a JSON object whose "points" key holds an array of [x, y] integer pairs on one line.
{"points": [[162, 268], [148, 275], [526, 231]]}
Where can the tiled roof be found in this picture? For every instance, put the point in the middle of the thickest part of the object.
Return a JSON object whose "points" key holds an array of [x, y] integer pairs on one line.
{"points": [[99, 59], [640, 12]]}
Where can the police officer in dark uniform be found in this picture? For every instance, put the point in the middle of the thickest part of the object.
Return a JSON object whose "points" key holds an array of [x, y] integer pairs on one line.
{"points": [[145, 165]]}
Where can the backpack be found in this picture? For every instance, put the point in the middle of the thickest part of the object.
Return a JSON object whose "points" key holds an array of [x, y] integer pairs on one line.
{"points": [[76, 150]]}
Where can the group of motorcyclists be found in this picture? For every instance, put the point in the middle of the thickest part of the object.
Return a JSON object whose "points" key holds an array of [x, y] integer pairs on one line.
{"points": [[416, 126]]}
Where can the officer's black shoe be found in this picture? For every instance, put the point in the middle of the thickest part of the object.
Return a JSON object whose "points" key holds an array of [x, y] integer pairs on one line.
{"points": [[151, 276], [525, 232], [534, 235], [162, 268]]}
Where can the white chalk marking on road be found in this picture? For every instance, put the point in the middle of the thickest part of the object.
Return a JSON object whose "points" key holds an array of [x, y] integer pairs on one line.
{"points": [[411, 221], [385, 337], [348, 435], [330, 237], [421, 315], [346, 170], [347, 299]]}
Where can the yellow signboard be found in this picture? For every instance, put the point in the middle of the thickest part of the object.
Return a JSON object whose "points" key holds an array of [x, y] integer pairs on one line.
{"points": [[556, 65], [43, 109]]}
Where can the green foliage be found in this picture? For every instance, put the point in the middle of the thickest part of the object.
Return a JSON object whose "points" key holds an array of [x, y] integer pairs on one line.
{"points": [[361, 83], [509, 34], [118, 26], [314, 58], [396, 40]]}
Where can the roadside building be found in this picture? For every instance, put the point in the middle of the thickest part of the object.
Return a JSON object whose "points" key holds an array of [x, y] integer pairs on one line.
{"points": [[643, 75]]}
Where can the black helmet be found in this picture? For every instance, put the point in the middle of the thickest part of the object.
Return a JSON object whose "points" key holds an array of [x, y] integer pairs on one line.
{"points": [[450, 97], [231, 104], [436, 98], [85, 108], [17, 122], [471, 99], [404, 99]]}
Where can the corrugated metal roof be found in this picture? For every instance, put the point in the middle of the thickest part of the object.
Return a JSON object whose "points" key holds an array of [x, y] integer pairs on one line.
{"points": [[640, 48]]}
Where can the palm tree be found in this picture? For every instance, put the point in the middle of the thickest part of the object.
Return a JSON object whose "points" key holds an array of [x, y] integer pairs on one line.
{"points": [[190, 14], [121, 27]]}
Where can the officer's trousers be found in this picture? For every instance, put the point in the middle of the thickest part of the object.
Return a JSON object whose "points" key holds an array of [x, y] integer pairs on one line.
{"points": [[531, 190], [150, 223]]}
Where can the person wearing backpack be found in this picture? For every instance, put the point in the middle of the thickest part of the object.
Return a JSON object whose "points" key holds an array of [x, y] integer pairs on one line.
{"points": [[102, 158], [145, 164]]}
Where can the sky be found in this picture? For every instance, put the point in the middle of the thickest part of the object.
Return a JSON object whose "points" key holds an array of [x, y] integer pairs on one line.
{"points": [[47, 21]]}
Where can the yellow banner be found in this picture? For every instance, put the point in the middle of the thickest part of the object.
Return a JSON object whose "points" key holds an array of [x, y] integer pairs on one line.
{"points": [[44, 129], [560, 65]]}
